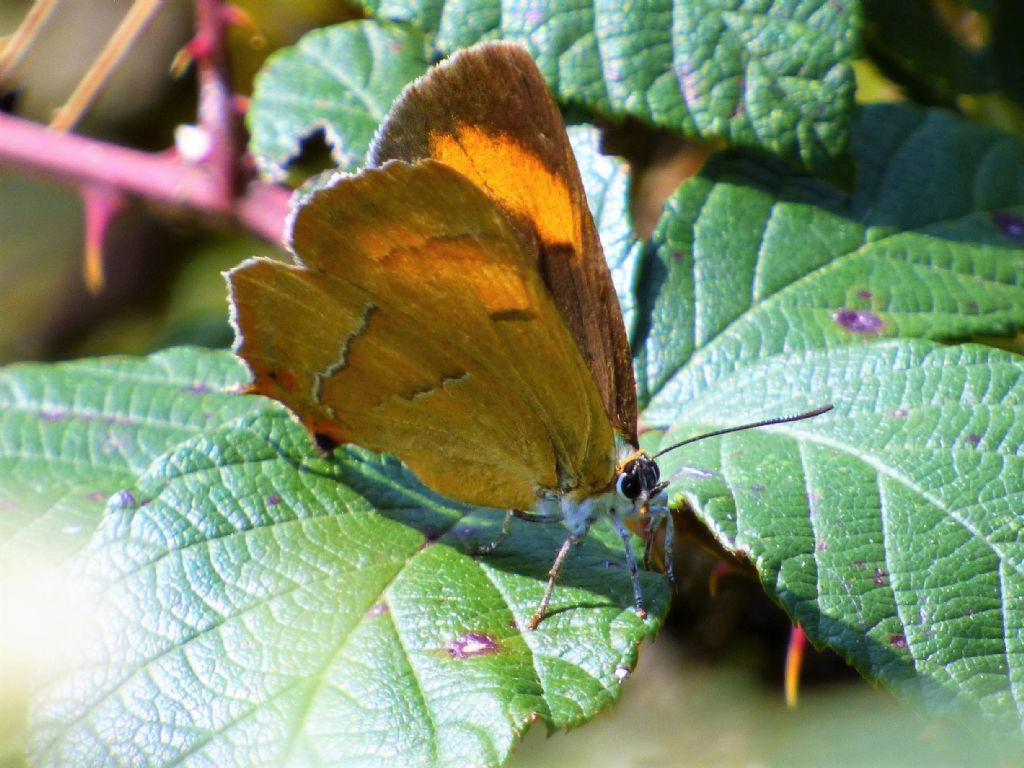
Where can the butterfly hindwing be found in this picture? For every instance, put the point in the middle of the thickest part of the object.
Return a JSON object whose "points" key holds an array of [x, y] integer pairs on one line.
{"points": [[414, 323]]}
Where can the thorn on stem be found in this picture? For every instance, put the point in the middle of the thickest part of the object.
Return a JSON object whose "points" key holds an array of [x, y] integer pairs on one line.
{"points": [[794, 663], [101, 204], [234, 16]]}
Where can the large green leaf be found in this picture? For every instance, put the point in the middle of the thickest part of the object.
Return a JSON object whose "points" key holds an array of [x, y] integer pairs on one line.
{"points": [[774, 76], [753, 260], [73, 434], [341, 80], [252, 603], [891, 528]]}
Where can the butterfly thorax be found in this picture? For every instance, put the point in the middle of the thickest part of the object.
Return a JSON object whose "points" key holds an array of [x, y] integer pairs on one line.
{"points": [[628, 495]]}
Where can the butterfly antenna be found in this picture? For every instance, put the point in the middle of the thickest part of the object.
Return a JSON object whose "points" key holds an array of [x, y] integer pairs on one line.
{"points": [[754, 425]]}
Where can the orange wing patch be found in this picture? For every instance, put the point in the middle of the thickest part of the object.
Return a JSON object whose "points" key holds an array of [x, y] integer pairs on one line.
{"points": [[499, 165]]}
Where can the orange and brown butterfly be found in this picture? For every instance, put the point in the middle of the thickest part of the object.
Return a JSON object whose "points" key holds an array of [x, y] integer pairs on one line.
{"points": [[451, 305]]}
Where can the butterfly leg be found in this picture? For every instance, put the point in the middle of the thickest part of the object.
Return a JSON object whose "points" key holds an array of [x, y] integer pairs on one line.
{"points": [[553, 574], [533, 517], [493, 544], [650, 534], [506, 529], [634, 575], [670, 528]]}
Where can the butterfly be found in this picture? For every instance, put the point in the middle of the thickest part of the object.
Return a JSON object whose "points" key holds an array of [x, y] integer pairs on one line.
{"points": [[450, 304]]}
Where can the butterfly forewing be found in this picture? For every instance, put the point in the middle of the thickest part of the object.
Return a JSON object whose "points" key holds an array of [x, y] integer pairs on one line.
{"points": [[488, 114]]}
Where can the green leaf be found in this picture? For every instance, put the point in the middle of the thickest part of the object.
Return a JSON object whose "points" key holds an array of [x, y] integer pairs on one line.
{"points": [[753, 260], [259, 605], [341, 79], [774, 76], [891, 527], [72, 434]]}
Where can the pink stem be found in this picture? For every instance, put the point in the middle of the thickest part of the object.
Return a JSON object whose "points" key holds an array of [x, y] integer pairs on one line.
{"points": [[161, 178], [217, 115]]}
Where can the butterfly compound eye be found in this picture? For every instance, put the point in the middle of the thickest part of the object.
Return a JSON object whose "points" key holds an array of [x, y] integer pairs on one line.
{"points": [[638, 476]]}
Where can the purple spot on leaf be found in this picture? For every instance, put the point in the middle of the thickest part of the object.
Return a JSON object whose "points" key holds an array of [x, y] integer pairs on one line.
{"points": [[99, 496], [858, 564], [7, 505], [899, 413], [198, 389], [1011, 225], [273, 500], [898, 641], [821, 545], [757, 488], [472, 644], [677, 256], [864, 294], [973, 439], [123, 499], [378, 609], [813, 500], [53, 415], [858, 320], [689, 82], [879, 578]]}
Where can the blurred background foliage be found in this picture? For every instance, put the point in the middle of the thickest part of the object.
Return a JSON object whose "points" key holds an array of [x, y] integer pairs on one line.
{"points": [[163, 277], [709, 692]]}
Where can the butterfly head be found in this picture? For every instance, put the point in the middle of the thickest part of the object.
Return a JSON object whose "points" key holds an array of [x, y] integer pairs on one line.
{"points": [[638, 480]]}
